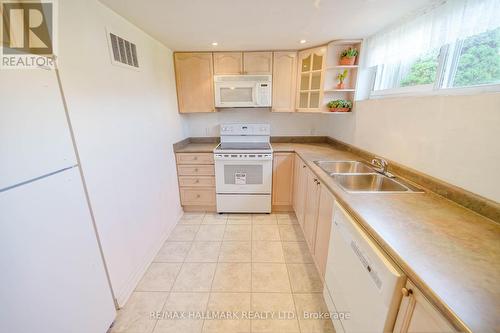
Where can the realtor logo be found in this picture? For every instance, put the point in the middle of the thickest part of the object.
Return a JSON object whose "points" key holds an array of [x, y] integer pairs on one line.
{"points": [[28, 31]]}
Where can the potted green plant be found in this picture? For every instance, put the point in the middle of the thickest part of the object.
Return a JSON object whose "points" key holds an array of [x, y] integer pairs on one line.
{"points": [[339, 105], [341, 77], [348, 57]]}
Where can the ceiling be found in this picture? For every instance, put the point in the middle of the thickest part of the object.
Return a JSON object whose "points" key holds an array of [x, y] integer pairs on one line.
{"points": [[189, 25]]}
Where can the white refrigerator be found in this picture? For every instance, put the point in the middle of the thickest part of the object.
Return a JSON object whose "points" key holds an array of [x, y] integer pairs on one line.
{"points": [[52, 276]]}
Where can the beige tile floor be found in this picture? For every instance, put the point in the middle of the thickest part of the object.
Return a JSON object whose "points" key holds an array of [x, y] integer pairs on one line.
{"points": [[241, 265]]}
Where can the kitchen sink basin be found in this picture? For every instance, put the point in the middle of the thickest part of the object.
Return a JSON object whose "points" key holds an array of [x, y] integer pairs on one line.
{"points": [[371, 183], [359, 177], [344, 167]]}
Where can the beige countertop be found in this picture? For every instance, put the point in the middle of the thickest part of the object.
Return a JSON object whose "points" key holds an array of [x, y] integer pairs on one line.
{"points": [[451, 253], [197, 148]]}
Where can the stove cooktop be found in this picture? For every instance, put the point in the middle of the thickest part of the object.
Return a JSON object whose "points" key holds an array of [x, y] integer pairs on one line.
{"points": [[243, 146]]}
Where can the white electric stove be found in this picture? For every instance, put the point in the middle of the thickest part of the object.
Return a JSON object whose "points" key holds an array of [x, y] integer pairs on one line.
{"points": [[244, 168]]}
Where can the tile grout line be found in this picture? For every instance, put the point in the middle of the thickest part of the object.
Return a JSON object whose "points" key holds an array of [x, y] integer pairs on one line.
{"points": [[252, 264], [208, 300], [251, 270], [215, 272], [213, 277], [291, 291], [230, 292], [176, 276]]}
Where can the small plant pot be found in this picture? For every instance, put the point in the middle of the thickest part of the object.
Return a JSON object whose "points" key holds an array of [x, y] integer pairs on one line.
{"points": [[347, 61], [340, 85], [339, 109]]}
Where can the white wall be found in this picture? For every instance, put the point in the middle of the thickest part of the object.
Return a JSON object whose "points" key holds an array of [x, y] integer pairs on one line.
{"points": [[282, 124], [453, 138], [125, 122]]}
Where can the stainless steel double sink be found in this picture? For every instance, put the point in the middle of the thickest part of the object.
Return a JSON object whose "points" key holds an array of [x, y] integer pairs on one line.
{"points": [[358, 177]]}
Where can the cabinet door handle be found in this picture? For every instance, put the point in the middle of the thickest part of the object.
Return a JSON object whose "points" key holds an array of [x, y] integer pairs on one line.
{"points": [[196, 158], [196, 170], [197, 181], [197, 196], [303, 166], [406, 292]]}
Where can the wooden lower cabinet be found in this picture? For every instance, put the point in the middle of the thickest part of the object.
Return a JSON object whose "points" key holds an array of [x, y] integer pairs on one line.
{"points": [[299, 188], [282, 194], [313, 205], [417, 315], [195, 158], [196, 176], [311, 209], [197, 196], [195, 170], [323, 228], [196, 181]]}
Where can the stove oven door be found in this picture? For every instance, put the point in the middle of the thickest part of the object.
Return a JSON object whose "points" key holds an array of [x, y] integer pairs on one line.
{"points": [[236, 176]]}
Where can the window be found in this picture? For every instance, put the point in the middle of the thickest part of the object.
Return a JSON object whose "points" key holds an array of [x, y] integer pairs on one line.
{"points": [[422, 71], [475, 61], [416, 72], [455, 44]]}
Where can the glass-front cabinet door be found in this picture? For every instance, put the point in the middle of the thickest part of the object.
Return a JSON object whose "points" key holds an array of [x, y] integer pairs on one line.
{"points": [[310, 79]]}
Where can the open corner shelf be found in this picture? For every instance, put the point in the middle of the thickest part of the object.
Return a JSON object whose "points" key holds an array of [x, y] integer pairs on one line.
{"points": [[342, 66], [335, 113], [339, 90]]}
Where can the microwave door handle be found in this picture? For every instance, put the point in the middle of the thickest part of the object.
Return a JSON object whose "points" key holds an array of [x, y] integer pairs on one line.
{"points": [[256, 95]]}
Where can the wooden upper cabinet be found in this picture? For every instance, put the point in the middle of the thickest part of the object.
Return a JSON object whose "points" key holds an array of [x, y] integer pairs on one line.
{"points": [[284, 81], [228, 63], [258, 63], [243, 63], [311, 67], [194, 79], [283, 180]]}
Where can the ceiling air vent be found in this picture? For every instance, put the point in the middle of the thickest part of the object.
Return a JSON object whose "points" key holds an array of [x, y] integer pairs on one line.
{"points": [[123, 52]]}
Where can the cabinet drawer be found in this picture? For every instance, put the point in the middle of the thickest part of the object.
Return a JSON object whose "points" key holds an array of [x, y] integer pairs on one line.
{"points": [[195, 158], [202, 181], [197, 196], [196, 170]]}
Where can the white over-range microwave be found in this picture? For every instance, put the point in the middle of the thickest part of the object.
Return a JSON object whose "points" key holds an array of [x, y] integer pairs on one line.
{"points": [[243, 91]]}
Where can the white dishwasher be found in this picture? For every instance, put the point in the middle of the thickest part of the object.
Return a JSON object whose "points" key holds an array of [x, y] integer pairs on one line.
{"points": [[362, 285]]}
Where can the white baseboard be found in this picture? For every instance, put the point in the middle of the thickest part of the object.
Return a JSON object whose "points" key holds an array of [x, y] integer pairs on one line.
{"points": [[122, 296]]}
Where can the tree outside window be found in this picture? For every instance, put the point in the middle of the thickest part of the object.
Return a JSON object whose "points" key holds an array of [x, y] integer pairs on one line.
{"points": [[475, 61], [478, 60]]}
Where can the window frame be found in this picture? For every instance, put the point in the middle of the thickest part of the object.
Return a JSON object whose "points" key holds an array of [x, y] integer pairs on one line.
{"points": [[446, 69]]}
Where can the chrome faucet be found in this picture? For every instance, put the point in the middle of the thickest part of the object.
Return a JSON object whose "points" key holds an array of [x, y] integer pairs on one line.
{"points": [[380, 165]]}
